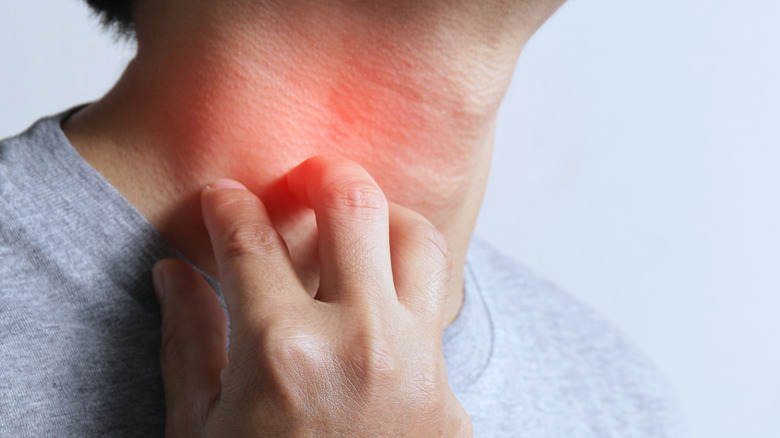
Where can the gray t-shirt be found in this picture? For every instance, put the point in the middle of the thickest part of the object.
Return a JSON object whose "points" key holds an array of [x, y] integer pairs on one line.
{"points": [[79, 324]]}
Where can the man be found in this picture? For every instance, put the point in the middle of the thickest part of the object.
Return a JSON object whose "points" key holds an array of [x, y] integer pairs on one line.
{"points": [[351, 131]]}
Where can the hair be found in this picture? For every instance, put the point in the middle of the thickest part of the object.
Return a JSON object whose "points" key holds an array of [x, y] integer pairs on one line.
{"points": [[115, 14]]}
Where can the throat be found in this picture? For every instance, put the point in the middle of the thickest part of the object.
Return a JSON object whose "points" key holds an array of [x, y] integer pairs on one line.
{"points": [[178, 120], [380, 103]]}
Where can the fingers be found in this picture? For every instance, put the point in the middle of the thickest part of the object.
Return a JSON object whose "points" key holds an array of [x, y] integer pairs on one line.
{"points": [[352, 222], [422, 262], [256, 272], [364, 251], [194, 335]]}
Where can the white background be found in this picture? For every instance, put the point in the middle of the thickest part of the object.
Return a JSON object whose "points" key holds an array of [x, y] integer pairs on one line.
{"points": [[637, 165]]}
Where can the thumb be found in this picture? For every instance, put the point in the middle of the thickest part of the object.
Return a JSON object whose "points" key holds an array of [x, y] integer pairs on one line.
{"points": [[193, 352]]}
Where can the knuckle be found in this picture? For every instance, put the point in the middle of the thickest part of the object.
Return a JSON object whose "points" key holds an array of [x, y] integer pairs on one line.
{"points": [[297, 367], [432, 241], [373, 360], [355, 198], [242, 239]]}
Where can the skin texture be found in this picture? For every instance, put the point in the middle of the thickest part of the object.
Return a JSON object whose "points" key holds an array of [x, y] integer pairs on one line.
{"points": [[362, 359], [249, 89]]}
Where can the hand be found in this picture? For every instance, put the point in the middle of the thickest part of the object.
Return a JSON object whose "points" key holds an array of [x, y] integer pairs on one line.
{"points": [[361, 358]]}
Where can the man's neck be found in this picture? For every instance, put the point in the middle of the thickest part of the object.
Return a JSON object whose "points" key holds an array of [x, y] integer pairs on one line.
{"points": [[410, 97]]}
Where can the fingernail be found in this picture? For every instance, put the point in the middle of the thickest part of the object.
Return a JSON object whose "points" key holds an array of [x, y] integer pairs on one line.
{"points": [[158, 278], [224, 183]]}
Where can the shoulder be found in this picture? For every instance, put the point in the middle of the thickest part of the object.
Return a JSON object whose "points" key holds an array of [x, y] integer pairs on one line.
{"points": [[573, 372], [35, 158], [45, 131]]}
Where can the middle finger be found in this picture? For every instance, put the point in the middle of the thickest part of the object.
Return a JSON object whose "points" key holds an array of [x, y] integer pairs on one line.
{"points": [[352, 222]]}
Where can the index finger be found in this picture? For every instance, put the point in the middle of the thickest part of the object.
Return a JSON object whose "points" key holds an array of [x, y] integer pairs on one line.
{"points": [[255, 269]]}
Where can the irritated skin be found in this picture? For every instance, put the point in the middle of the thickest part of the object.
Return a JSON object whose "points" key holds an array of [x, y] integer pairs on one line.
{"points": [[247, 89]]}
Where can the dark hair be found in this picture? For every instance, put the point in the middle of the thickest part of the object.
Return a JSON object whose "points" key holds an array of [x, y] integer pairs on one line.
{"points": [[117, 14]]}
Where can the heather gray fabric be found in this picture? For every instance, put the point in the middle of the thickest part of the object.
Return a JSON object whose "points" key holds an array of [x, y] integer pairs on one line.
{"points": [[79, 324]]}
